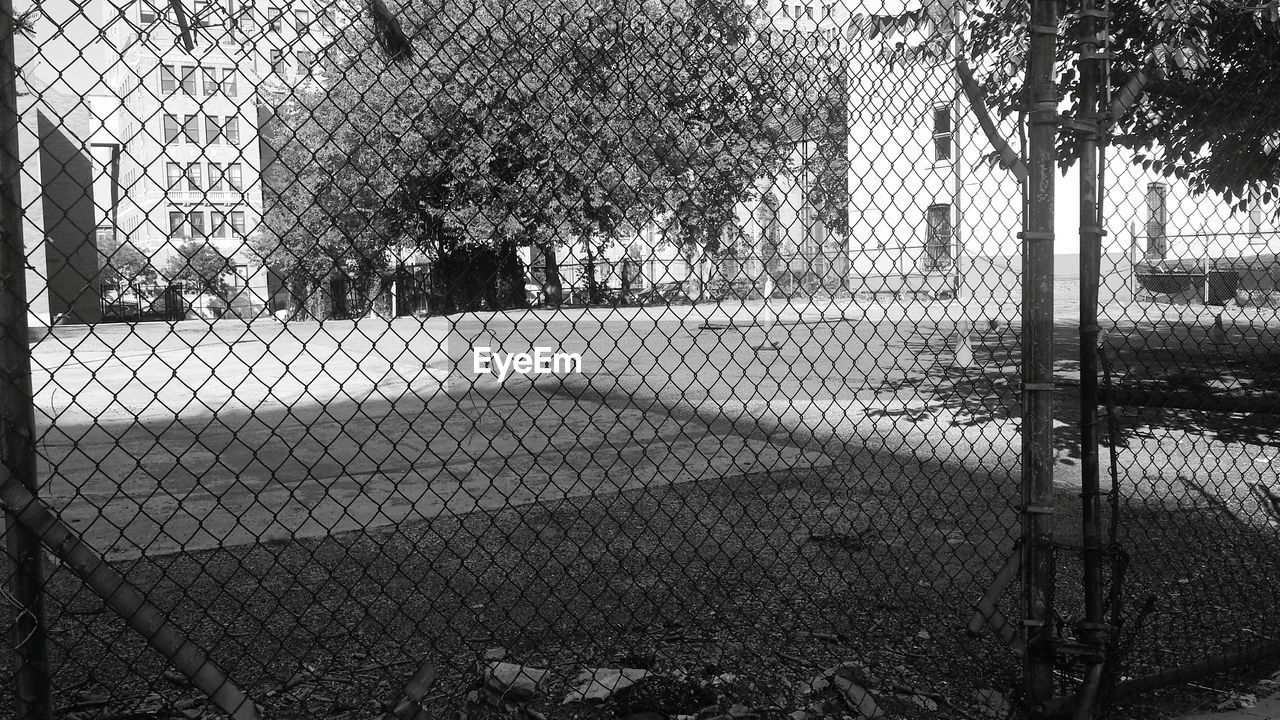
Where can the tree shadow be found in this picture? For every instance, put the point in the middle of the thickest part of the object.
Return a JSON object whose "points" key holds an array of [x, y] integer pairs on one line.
{"points": [[1173, 359]]}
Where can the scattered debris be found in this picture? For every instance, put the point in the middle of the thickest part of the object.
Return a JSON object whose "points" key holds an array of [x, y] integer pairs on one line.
{"points": [[848, 680], [410, 707], [991, 703], [509, 685], [597, 684]]}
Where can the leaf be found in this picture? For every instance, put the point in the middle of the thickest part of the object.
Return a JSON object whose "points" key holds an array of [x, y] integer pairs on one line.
{"points": [[597, 684]]}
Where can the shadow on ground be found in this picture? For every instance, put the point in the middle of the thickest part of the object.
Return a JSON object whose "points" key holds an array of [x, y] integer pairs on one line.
{"points": [[1172, 358]]}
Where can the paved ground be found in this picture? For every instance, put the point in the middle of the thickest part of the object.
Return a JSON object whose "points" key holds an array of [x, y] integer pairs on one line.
{"points": [[163, 438]]}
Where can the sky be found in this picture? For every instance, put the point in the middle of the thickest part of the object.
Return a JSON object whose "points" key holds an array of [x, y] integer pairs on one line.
{"points": [[71, 53]]}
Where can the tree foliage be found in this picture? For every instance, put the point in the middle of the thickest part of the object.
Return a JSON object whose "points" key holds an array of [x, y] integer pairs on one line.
{"points": [[201, 267], [1195, 84], [123, 267], [529, 123]]}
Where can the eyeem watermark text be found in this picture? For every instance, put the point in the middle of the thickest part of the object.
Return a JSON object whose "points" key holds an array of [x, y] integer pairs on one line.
{"points": [[541, 361]]}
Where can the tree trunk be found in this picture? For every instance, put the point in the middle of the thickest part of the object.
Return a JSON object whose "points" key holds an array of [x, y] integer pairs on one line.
{"points": [[553, 289], [593, 287]]}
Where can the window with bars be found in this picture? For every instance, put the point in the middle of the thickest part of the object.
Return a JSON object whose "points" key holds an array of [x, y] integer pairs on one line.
{"points": [[1157, 220], [937, 255], [942, 133]]}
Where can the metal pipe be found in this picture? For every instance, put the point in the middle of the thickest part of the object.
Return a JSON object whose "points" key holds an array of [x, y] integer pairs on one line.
{"points": [[1037, 356], [29, 629], [1092, 633], [1172, 676]]}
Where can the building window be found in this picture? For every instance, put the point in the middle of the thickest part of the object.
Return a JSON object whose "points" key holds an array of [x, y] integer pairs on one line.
{"points": [[942, 133], [808, 12], [231, 129], [168, 79], [304, 17], [229, 82], [188, 79], [220, 229], [191, 129], [217, 180], [205, 14], [275, 19], [1157, 220], [172, 175], [146, 13], [212, 133], [237, 223], [171, 129], [197, 223], [193, 177], [233, 176], [277, 61], [937, 255], [176, 221], [210, 77]]}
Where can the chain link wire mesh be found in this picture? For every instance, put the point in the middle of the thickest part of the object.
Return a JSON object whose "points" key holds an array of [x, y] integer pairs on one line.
{"points": [[1187, 289], [427, 358]]}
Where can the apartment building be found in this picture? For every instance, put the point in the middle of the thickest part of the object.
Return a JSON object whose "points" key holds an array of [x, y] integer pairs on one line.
{"points": [[189, 87]]}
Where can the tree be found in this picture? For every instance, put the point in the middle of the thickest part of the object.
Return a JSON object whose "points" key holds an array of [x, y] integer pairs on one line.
{"points": [[201, 267], [123, 267], [1195, 85], [523, 123]]}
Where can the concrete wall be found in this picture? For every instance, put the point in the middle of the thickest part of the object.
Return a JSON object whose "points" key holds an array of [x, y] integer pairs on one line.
{"points": [[57, 196]]}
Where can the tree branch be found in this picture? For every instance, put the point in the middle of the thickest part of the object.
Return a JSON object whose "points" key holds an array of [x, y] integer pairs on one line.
{"points": [[1008, 158]]}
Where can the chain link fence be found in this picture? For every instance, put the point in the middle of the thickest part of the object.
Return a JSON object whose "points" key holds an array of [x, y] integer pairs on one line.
{"points": [[638, 359]]}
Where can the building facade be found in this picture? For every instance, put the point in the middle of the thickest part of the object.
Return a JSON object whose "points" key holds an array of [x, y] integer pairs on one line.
{"points": [[189, 91]]}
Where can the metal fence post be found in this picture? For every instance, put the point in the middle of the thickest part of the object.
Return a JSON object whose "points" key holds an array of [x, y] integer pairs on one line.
{"points": [[25, 558], [1091, 231], [1037, 357]]}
